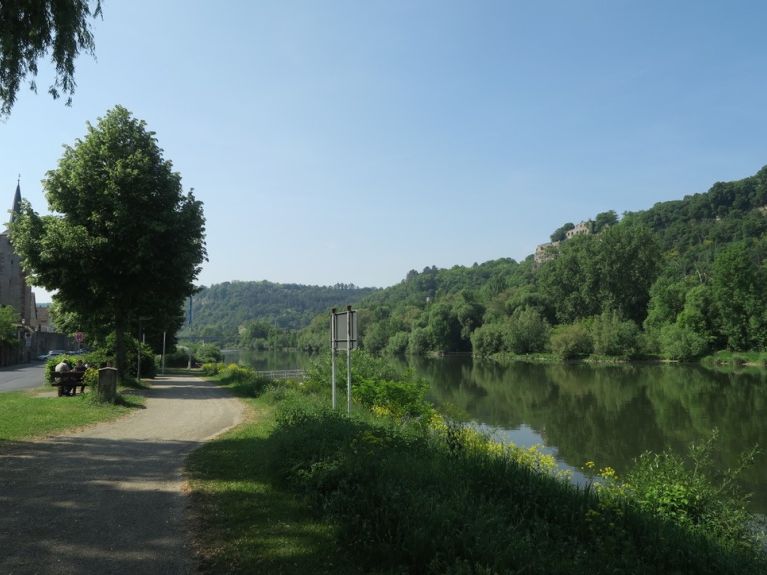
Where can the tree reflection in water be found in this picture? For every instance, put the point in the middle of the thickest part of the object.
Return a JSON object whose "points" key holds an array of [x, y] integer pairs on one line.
{"points": [[609, 414]]}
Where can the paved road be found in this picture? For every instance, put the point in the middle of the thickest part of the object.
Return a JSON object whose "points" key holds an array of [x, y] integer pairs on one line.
{"points": [[23, 376], [110, 499]]}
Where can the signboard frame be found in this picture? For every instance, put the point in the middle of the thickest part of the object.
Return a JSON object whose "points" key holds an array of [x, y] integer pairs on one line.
{"points": [[343, 336]]}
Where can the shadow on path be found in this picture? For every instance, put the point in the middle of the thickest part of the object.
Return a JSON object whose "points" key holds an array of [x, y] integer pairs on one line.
{"points": [[109, 499]]}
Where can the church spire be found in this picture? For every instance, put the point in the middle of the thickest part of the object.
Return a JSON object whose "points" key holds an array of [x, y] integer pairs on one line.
{"points": [[16, 209]]}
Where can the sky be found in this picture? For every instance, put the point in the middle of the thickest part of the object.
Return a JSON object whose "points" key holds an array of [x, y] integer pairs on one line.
{"points": [[347, 141]]}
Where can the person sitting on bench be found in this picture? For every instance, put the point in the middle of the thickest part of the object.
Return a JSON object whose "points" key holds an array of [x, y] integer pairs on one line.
{"points": [[64, 367]]}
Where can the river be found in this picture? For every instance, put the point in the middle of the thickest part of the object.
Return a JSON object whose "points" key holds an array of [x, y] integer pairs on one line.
{"points": [[605, 414]]}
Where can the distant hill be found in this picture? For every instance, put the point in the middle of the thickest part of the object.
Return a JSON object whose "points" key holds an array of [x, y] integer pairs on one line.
{"points": [[220, 310], [694, 228], [680, 279]]}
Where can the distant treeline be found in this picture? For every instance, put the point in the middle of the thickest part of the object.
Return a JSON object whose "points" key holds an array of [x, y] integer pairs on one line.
{"points": [[679, 280], [249, 310]]}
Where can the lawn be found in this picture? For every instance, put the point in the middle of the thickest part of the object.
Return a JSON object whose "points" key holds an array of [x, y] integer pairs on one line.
{"points": [[29, 414]]}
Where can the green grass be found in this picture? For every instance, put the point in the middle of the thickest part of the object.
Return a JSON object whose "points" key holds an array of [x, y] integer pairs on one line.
{"points": [[737, 358], [27, 415], [246, 522]]}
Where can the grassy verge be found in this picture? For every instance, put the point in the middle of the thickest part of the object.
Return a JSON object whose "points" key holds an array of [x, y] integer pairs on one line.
{"points": [[409, 494], [26, 415], [737, 359], [248, 523]]}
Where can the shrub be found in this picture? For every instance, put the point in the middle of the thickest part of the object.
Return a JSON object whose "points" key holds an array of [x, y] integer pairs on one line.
{"points": [[377, 382], [614, 336], [211, 369], [50, 365], [680, 342], [178, 358], [364, 366], [694, 492], [489, 339], [571, 341], [400, 398], [208, 353], [243, 380], [398, 343], [148, 362], [421, 341], [376, 338], [528, 332]]}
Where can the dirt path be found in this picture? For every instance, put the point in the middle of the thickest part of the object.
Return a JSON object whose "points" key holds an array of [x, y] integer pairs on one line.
{"points": [[109, 499]]}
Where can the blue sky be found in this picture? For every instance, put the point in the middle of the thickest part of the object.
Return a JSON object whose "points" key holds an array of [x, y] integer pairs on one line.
{"points": [[353, 141]]}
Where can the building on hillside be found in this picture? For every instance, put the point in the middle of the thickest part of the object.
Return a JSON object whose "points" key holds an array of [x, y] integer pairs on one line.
{"points": [[581, 229], [14, 289], [545, 252]]}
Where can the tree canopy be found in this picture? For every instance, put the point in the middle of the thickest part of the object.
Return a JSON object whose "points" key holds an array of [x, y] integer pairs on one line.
{"points": [[125, 243], [224, 312], [29, 29], [678, 280]]}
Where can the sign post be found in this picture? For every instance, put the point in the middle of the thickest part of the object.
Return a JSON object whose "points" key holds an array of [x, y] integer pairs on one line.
{"points": [[343, 335], [333, 358]]}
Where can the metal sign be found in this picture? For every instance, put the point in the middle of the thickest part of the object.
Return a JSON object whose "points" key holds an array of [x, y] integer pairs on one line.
{"points": [[344, 330], [343, 336], [79, 336]]}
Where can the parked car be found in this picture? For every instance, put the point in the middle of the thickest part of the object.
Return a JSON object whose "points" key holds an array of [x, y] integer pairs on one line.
{"points": [[50, 354]]}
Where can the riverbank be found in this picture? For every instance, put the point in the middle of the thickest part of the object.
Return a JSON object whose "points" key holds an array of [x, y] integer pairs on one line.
{"points": [[719, 359], [415, 497]]}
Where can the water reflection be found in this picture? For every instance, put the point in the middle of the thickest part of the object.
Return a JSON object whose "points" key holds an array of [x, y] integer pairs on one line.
{"points": [[609, 414], [269, 360], [606, 414]]}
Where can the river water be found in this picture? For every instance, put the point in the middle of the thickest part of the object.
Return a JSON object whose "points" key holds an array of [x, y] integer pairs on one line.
{"points": [[605, 414]]}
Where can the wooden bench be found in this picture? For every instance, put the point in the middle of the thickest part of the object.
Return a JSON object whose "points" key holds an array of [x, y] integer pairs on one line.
{"points": [[67, 382]]}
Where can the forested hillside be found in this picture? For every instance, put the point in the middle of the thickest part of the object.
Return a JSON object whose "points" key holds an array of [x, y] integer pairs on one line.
{"points": [[224, 312], [679, 280]]}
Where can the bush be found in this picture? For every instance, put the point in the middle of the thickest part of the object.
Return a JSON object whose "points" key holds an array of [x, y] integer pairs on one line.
{"points": [[376, 338], [571, 341], [211, 369], [208, 353], [148, 360], [489, 339], [377, 383], [528, 332], [95, 359], [421, 341], [682, 343], [695, 493], [178, 358], [614, 336], [398, 343], [244, 381], [398, 398]]}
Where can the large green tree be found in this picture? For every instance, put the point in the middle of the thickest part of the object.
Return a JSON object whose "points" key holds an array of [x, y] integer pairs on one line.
{"points": [[125, 242], [31, 28], [738, 289]]}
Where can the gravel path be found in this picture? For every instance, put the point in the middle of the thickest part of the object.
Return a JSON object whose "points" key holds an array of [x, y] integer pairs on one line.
{"points": [[110, 499]]}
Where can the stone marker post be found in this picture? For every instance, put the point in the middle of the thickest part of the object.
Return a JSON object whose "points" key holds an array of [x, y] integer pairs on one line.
{"points": [[106, 390]]}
